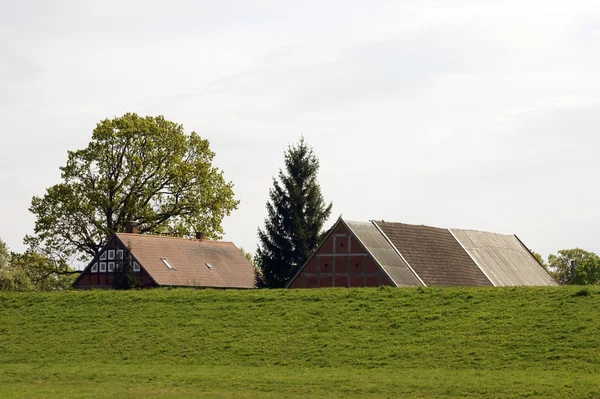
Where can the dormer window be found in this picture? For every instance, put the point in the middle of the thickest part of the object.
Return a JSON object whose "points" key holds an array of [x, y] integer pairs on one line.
{"points": [[167, 264]]}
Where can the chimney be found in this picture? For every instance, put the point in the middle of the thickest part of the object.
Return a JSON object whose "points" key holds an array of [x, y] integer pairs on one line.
{"points": [[132, 228], [200, 236]]}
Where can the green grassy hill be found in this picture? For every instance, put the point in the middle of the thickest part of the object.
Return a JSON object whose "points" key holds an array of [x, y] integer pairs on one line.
{"points": [[426, 343]]}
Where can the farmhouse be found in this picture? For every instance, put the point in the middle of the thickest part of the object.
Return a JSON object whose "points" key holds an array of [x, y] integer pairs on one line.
{"points": [[170, 261], [370, 254]]}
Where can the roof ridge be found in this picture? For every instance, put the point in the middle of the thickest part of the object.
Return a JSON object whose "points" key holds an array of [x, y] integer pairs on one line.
{"points": [[171, 237], [482, 231], [411, 224]]}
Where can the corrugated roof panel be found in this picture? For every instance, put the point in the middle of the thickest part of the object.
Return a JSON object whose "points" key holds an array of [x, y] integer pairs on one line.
{"points": [[503, 258], [384, 253], [434, 255]]}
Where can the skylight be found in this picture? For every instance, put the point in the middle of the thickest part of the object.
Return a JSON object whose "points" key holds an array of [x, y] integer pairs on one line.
{"points": [[209, 266], [167, 264]]}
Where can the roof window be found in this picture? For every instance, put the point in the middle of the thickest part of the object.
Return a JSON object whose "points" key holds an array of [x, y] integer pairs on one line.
{"points": [[167, 264], [209, 266]]}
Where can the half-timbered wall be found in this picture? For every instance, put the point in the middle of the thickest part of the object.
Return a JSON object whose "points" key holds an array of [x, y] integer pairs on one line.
{"points": [[341, 261], [100, 272]]}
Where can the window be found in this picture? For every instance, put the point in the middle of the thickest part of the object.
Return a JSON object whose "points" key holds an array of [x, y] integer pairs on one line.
{"points": [[209, 266], [136, 267], [102, 267], [119, 254], [111, 266], [167, 264], [103, 256], [95, 268], [111, 254]]}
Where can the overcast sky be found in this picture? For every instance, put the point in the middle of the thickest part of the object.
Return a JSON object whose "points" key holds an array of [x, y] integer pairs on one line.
{"points": [[446, 113]]}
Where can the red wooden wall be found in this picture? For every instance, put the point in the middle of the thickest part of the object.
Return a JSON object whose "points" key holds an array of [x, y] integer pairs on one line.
{"points": [[341, 261], [89, 279]]}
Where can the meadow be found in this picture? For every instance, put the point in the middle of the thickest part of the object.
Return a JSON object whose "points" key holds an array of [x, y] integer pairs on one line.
{"points": [[323, 343]]}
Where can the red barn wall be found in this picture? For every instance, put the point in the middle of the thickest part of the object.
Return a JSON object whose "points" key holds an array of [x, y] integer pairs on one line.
{"points": [[341, 261], [89, 280]]}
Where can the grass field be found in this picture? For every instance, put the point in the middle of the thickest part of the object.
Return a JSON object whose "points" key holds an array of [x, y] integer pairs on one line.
{"points": [[327, 343]]}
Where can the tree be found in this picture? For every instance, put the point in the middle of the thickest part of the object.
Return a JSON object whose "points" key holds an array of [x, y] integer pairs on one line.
{"points": [[539, 258], [296, 213], [4, 254], [135, 169], [258, 278], [124, 277], [32, 271], [247, 255], [575, 266]]}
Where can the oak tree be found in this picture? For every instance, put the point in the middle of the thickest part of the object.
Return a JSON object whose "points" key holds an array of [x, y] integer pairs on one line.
{"points": [[575, 266], [135, 169]]}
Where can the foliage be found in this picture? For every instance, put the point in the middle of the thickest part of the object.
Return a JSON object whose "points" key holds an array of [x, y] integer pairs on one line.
{"points": [[15, 279], [258, 278], [247, 255], [575, 266], [296, 214], [124, 278], [4, 254], [539, 258], [135, 169], [519, 342], [32, 271]]}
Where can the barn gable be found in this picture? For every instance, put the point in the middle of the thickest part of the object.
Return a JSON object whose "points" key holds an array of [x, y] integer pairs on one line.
{"points": [[353, 254]]}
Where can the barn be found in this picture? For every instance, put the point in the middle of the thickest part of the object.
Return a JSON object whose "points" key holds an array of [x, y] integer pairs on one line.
{"points": [[170, 261], [370, 254]]}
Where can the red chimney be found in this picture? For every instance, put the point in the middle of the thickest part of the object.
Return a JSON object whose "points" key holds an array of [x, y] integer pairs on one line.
{"points": [[132, 228]]}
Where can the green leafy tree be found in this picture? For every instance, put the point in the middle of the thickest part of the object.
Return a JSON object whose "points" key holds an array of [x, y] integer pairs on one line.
{"points": [[12, 279], [575, 266], [258, 278], [296, 214], [135, 169], [539, 258], [247, 255], [4, 254], [32, 271]]}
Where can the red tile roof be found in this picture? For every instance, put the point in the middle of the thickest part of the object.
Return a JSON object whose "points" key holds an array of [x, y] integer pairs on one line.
{"points": [[189, 258]]}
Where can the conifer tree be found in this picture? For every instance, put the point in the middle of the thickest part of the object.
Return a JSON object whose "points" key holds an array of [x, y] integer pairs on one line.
{"points": [[296, 214]]}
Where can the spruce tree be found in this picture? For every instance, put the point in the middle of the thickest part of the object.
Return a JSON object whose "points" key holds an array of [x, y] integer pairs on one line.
{"points": [[296, 214]]}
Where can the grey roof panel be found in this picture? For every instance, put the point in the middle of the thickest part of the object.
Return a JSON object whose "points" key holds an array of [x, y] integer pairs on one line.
{"points": [[436, 256], [384, 253], [503, 258]]}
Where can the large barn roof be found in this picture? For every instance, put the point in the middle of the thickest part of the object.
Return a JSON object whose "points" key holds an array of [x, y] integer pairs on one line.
{"points": [[384, 253], [503, 258], [196, 263], [434, 255]]}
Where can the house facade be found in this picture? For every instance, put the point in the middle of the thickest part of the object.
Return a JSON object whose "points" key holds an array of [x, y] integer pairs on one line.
{"points": [[169, 261]]}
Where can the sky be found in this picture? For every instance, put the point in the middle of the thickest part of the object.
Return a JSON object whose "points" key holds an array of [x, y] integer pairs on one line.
{"points": [[455, 113]]}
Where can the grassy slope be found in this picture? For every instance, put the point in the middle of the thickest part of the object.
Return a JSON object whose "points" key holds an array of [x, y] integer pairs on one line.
{"points": [[433, 343]]}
